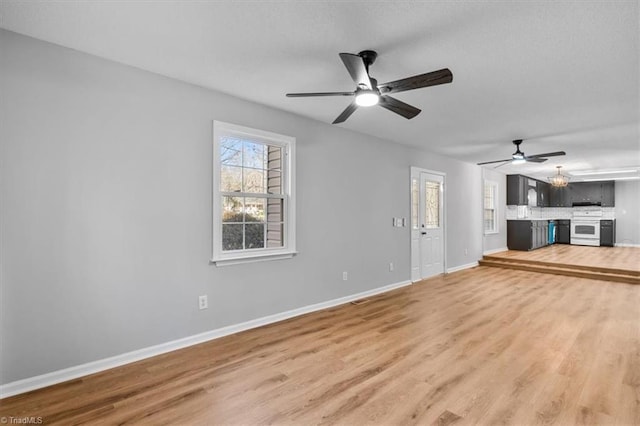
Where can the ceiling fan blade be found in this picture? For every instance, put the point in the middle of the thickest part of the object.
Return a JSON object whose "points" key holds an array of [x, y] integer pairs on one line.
{"points": [[399, 107], [346, 113], [535, 160], [433, 78], [500, 165], [304, 95], [357, 69], [491, 162], [548, 154]]}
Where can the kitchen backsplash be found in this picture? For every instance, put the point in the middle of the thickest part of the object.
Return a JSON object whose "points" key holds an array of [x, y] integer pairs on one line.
{"points": [[553, 212]]}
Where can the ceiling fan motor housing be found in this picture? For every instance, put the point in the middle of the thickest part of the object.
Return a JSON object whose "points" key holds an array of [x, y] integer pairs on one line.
{"points": [[368, 57]]}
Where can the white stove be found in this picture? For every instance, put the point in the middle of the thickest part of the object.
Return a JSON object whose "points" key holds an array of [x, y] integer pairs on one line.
{"points": [[585, 227]]}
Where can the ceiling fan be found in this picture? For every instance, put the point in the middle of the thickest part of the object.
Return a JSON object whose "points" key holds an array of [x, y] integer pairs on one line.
{"points": [[368, 92], [519, 157]]}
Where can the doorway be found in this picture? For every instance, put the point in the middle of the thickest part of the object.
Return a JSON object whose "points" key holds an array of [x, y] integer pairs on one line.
{"points": [[427, 223]]}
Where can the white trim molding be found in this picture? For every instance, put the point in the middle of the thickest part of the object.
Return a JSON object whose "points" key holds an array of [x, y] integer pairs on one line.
{"points": [[462, 267], [492, 251], [626, 245], [48, 379]]}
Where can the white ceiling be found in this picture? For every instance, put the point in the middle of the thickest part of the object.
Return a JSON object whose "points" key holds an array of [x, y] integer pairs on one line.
{"points": [[561, 75]]}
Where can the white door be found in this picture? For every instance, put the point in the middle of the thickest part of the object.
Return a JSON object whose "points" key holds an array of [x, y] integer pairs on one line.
{"points": [[427, 230]]}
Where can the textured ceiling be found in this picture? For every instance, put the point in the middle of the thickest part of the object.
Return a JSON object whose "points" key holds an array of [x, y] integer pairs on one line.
{"points": [[561, 75]]}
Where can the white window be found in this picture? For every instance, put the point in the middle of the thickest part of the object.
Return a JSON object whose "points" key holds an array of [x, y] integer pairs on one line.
{"points": [[253, 194], [490, 205]]}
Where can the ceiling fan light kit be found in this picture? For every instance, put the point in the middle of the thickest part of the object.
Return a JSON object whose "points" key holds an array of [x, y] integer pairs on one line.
{"points": [[366, 98], [369, 93], [559, 180]]}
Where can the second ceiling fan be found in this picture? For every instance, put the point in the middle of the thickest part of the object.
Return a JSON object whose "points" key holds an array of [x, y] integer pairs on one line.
{"points": [[519, 157], [368, 92]]}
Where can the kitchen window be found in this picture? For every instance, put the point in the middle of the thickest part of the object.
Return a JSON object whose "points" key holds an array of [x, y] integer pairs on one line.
{"points": [[490, 212], [253, 195]]}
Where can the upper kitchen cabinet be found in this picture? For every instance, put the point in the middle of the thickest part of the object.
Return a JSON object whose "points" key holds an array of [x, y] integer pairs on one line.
{"points": [[543, 195], [559, 197], [609, 193], [521, 191], [593, 193], [585, 193], [517, 186], [524, 191]]}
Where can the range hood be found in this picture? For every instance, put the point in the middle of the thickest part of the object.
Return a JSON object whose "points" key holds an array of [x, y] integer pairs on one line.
{"points": [[586, 203]]}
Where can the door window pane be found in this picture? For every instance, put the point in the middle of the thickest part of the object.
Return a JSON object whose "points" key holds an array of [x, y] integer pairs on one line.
{"points": [[415, 203], [432, 205]]}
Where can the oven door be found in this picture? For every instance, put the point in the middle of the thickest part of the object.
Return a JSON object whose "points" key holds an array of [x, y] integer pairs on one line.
{"points": [[585, 232]]}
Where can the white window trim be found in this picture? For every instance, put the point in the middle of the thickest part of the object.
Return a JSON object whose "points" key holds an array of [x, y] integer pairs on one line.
{"points": [[288, 250], [496, 229]]}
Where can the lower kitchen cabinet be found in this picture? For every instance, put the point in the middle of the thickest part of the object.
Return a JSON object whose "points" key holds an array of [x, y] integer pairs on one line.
{"points": [[527, 234], [563, 231], [607, 232]]}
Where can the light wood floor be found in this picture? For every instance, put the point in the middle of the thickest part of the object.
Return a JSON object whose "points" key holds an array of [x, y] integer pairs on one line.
{"points": [[482, 346], [627, 258]]}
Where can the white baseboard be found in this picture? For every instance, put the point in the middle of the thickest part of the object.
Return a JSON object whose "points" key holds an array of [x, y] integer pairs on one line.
{"points": [[626, 245], [498, 250], [461, 267], [48, 379]]}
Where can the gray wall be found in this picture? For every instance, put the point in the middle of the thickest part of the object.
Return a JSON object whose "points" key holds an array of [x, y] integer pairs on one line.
{"points": [[628, 212], [497, 241], [106, 211]]}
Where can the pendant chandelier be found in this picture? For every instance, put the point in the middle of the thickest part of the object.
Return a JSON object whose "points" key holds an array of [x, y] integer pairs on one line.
{"points": [[559, 180]]}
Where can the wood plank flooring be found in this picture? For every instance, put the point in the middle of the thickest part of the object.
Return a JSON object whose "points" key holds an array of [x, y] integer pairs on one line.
{"points": [[481, 346], [619, 264], [625, 258]]}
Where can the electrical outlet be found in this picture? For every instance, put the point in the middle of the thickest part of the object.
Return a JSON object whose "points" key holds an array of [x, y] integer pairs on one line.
{"points": [[466, 252], [390, 266], [203, 302], [345, 276]]}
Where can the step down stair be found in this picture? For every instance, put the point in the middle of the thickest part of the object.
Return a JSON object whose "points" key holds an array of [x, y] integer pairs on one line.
{"points": [[581, 271]]}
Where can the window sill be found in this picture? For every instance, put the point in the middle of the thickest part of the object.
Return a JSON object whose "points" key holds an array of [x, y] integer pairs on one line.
{"points": [[491, 232], [228, 261]]}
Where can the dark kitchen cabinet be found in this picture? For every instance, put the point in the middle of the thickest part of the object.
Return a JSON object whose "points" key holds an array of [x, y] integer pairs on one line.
{"points": [[542, 189], [563, 231], [559, 197], [519, 190], [609, 193], [585, 193], [517, 187], [607, 232], [527, 234]]}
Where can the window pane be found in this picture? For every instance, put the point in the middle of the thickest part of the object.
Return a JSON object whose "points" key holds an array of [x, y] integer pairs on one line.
{"points": [[254, 235], [231, 151], [254, 155], [432, 205], [230, 179], [254, 181], [232, 209], [254, 209], [415, 195], [232, 237]]}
